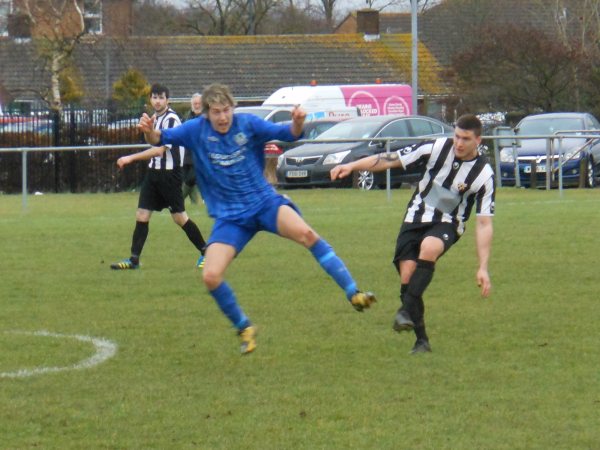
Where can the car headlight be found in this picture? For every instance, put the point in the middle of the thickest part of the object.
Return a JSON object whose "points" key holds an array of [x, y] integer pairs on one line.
{"points": [[280, 161], [335, 158], [506, 155], [570, 154]]}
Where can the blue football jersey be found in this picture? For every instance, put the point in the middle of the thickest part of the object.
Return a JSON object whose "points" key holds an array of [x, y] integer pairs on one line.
{"points": [[229, 167]]}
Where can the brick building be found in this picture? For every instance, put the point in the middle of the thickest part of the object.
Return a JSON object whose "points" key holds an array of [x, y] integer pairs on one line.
{"points": [[69, 19]]}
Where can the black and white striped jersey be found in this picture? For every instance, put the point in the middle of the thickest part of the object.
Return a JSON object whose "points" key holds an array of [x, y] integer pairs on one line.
{"points": [[173, 156], [450, 187]]}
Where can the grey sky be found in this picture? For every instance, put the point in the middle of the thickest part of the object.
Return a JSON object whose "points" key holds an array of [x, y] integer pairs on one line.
{"points": [[343, 7]]}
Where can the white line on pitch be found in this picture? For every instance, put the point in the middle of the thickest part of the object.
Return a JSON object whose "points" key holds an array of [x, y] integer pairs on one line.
{"points": [[105, 349]]}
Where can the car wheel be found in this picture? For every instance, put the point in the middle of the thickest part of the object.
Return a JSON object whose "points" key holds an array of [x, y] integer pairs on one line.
{"points": [[366, 180], [590, 173]]}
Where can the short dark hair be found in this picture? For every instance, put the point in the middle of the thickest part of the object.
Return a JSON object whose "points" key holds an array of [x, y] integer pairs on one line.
{"points": [[158, 88], [469, 122]]}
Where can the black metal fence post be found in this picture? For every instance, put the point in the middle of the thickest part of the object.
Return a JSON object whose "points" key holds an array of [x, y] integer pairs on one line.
{"points": [[55, 115]]}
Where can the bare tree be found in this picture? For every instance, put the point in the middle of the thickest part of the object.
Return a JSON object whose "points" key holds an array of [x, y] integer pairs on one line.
{"points": [[152, 18], [578, 28], [577, 21], [327, 7], [513, 68], [254, 12], [213, 17], [381, 5], [57, 27], [294, 17], [225, 17]]}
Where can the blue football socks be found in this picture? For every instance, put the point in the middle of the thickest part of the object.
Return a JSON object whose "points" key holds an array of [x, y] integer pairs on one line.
{"points": [[227, 302], [334, 266]]}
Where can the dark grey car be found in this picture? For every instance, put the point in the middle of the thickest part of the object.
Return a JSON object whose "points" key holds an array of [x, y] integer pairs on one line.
{"points": [[308, 165]]}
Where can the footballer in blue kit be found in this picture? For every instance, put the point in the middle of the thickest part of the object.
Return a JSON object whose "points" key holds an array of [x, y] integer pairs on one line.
{"points": [[228, 153], [226, 164]]}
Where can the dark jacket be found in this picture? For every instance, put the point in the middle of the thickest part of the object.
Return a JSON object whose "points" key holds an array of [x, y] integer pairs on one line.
{"points": [[187, 157]]}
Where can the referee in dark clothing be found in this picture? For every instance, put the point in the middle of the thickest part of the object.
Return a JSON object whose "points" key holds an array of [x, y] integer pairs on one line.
{"points": [[457, 178], [161, 187]]}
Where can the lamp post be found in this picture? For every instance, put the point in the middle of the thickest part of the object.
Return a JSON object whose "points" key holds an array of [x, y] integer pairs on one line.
{"points": [[251, 17], [415, 57]]}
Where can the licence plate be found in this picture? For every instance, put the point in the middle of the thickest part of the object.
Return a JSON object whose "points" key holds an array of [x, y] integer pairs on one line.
{"points": [[296, 173], [540, 168]]}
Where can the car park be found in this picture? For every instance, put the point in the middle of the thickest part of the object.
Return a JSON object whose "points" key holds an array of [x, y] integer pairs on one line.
{"points": [[273, 149], [580, 156], [42, 126], [308, 165], [311, 130], [123, 124]]}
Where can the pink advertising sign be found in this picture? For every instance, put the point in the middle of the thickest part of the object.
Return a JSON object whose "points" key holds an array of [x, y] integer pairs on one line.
{"points": [[375, 100]]}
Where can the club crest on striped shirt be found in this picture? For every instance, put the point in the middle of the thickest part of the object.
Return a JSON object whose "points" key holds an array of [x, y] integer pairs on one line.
{"points": [[462, 187]]}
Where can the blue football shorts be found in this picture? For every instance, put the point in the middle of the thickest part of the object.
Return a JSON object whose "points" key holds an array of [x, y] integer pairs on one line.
{"points": [[238, 232]]}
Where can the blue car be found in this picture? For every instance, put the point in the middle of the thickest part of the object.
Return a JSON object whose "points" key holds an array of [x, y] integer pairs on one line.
{"points": [[581, 156]]}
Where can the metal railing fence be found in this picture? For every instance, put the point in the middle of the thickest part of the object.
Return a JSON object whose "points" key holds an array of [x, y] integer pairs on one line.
{"points": [[115, 180], [552, 163], [83, 130]]}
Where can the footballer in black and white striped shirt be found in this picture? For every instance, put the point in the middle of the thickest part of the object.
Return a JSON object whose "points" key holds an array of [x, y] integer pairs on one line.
{"points": [[161, 187], [457, 180]]}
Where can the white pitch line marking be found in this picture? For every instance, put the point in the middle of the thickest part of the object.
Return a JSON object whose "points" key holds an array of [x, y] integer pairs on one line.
{"points": [[105, 349]]}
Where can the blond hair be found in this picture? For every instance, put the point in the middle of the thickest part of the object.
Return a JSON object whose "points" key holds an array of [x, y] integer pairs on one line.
{"points": [[216, 93]]}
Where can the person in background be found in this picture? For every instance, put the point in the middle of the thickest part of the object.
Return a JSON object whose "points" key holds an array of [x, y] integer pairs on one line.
{"points": [[457, 178], [229, 160], [188, 187], [161, 187]]}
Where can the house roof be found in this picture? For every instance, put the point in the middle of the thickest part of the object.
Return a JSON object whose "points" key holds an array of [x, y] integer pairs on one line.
{"points": [[253, 66], [446, 28]]}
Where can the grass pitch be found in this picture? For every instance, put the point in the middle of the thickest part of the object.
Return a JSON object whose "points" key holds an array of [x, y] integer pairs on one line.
{"points": [[516, 371]]}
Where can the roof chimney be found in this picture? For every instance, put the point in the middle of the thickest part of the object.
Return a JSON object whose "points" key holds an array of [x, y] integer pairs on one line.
{"points": [[117, 18], [19, 26], [367, 22]]}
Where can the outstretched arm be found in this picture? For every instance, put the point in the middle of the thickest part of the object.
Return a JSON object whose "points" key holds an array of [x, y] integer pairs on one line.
{"points": [[374, 163], [484, 232], [141, 156], [146, 126]]}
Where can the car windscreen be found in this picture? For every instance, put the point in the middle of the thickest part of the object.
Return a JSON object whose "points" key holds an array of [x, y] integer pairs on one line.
{"points": [[549, 126], [311, 132], [351, 130]]}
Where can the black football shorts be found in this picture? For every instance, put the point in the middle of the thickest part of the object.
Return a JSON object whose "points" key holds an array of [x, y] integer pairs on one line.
{"points": [[411, 235], [162, 189]]}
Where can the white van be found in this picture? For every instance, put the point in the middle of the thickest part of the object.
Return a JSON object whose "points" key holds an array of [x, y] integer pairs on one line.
{"points": [[274, 114], [369, 99], [283, 113]]}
